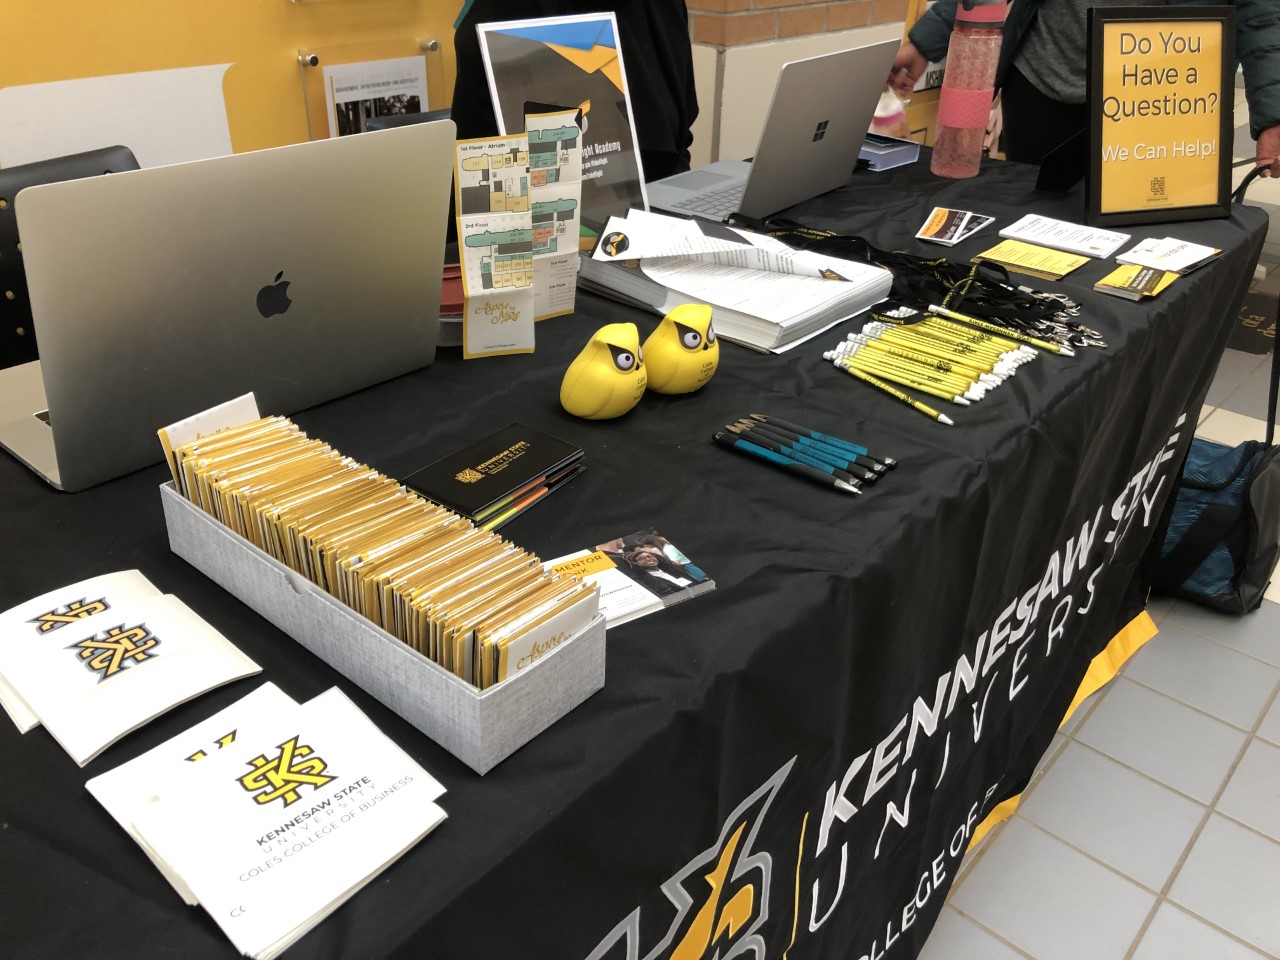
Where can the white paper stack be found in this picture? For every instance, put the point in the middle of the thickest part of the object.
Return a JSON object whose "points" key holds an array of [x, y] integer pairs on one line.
{"points": [[271, 814], [1064, 235], [762, 293], [1169, 254], [97, 659]]}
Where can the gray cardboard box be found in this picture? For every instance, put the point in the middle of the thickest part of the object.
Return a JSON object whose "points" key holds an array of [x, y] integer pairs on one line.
{"points": [[480, 728]]}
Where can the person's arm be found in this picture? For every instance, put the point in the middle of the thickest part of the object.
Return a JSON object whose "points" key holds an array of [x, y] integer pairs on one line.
{"points": [[926, 40], [1258, 51]]}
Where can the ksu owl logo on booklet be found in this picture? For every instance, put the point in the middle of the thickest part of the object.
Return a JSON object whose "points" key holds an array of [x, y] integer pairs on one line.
{"points": [[96, 659], [303, 804]]}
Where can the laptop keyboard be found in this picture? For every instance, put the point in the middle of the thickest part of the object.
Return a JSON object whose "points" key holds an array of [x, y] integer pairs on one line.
{"points": [[715, 203]]}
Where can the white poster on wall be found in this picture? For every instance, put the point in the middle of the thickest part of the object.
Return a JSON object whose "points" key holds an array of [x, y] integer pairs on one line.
{"points": [[163, 116], [356, 92]]}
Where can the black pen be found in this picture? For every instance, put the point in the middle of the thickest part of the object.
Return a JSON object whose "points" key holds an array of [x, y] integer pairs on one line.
{"points": [[825, 438], [858, 466], [786, 463], [778, 446]]}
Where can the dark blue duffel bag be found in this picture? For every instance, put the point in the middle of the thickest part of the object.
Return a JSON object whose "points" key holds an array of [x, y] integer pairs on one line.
{"points": [[1223, 536]]}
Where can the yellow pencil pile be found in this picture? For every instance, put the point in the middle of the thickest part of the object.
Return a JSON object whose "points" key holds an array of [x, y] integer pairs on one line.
{"points": [[959, 362]]}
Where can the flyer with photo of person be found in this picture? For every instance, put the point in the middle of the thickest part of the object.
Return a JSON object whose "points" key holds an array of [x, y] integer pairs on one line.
{"points": [[637, 574]]}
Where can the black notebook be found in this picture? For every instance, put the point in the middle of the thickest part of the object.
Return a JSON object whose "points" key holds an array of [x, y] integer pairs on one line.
{"points": [[495, 479]]}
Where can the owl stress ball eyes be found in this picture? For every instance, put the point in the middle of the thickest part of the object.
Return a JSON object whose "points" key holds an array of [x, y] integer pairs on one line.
{"points": [[608, 377], [682, 353]]}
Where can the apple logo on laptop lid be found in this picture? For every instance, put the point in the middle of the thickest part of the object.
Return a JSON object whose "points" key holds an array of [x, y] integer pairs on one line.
{"points": [[274, 299]]}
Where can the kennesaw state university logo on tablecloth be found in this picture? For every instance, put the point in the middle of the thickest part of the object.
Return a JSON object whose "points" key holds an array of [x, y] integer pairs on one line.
{"points": [[784, 866]]}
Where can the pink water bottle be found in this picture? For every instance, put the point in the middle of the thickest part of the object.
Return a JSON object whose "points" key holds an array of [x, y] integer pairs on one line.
{"points": [[967, 89]]}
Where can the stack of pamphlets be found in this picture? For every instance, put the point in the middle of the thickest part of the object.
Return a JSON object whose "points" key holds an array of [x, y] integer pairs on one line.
{"points": [[1043, 263], [1170, 254], [1135, 282], [97, 659], [763, 294], [270, 814], [1062, 235], [637, 574]]}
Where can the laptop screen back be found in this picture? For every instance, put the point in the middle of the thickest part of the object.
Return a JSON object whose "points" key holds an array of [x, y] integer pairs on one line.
{"points": [[299, 273]]}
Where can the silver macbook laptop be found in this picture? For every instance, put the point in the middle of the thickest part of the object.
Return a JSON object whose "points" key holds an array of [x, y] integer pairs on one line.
{"points": [[300, 273], [821, 110]]}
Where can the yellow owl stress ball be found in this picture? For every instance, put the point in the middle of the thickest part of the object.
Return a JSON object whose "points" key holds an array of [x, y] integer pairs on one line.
{"points": [[682, 353], [607, 378]]}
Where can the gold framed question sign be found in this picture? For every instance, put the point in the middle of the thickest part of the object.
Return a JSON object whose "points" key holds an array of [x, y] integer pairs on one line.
{"points": [[1160, 96]]}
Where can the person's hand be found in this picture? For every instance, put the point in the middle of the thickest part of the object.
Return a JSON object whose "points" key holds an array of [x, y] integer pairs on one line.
{"points": [[907, 67], [1268, 152]]}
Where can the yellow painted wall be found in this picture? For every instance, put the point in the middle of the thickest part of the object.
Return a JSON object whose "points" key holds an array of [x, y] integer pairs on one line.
{"points": [[46, 40]]}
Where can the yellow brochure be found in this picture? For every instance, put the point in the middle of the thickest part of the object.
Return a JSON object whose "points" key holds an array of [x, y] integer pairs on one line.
{"points": [[231, 488], [477, 594], [503, 623], [451, 573], [359, 555], [244, 434], [266, 503], [459, 627], [534, 638], [1035, 261], [196, 455], [381, 572], [277, 506]]}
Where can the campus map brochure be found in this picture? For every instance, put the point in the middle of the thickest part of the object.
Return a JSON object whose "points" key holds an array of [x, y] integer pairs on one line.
{"points": [[130, 786], [44, 618], [495, 243], [112, 672], [300, 811], [637, 574], [763, 294]]}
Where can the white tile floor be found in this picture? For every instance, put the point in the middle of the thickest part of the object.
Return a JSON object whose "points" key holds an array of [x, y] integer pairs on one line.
{"points": [[1152, 829]]}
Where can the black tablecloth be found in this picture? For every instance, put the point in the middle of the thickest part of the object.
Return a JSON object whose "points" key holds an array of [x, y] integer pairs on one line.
{"points": [[792, 761]]}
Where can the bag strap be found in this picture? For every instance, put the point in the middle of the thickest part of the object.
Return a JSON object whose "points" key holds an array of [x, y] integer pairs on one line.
{"points": [[1238, 197], [1193, 548]]}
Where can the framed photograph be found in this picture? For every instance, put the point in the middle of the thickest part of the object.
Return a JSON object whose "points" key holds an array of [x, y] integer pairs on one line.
{"points": [[1160, 95]]}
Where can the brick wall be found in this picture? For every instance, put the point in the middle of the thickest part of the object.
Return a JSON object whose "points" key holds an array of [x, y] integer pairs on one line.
{"points": [[727, 23]]}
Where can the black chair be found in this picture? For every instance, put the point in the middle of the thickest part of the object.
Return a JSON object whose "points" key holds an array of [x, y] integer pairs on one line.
{"points": [[17, 338]]}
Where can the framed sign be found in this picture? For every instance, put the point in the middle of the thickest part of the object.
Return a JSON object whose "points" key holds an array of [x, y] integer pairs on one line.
{"points": [[1160, 96], [571, 62]]}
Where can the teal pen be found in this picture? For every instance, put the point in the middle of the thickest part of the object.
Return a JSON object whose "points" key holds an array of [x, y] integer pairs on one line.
{"points": [[769, 442], [794, 466], [863, 467], [825, 438]]}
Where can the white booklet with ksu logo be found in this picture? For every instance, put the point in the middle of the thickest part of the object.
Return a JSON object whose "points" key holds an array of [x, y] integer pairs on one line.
{"points": [[131, 786], [278, 827], [97, 659]]}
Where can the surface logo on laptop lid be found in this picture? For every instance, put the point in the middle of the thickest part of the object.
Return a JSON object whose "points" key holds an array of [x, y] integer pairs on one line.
{"points": [[274, 299], [820, 130]]}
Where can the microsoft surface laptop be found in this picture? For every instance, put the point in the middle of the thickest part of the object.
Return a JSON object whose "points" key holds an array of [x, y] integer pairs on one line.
{"points": [[821, 110], [300, 273]]}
